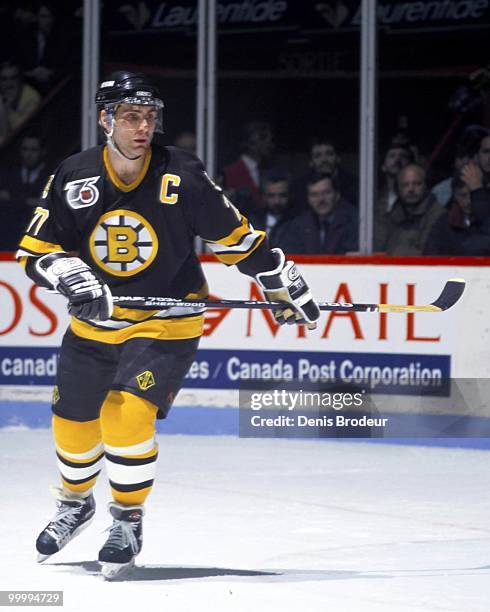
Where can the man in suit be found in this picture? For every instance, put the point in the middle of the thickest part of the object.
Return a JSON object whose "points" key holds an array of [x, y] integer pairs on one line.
{"points": [[276, 214], [328, 226], [324, 158]]}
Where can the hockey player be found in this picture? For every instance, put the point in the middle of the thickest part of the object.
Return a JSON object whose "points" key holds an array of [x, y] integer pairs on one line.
{"points": [[120, 219]]}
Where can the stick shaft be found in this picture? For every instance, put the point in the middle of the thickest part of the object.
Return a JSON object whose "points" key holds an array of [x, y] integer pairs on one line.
{"points": [[159, 303], [450, 294]]}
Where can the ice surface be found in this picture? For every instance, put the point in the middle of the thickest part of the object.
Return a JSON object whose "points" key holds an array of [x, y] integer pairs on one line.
{"points": [[263, 525]]}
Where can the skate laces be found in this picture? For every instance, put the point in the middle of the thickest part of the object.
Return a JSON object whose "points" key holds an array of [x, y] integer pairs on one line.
{"points": [[64, 520], [121, 535]]}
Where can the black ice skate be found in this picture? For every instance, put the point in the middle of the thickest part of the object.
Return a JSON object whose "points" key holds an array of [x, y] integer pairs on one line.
{"points": [[124, 542], [73, 516]]}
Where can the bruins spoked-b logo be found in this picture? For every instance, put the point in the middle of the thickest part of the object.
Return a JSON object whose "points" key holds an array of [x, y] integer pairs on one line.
{"points": [[123, 243]]}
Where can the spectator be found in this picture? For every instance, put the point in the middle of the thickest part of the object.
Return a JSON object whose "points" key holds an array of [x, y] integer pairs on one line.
{"points": [[17, 99], [396, 158], [276, 215], [243, 175], [20, 189], [324, 158], [186, 140], [27, 178], [442, 191], [413, 214], [47, 49], [402, 138], [457, 232], [476, 175], [329, 225]]}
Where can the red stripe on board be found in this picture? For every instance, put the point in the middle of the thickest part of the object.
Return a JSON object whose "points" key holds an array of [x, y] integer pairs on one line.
{"points": [[377, 260]]}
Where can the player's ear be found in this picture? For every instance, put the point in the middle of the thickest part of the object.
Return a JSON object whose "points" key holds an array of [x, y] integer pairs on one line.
{"points": [[105, 121]]}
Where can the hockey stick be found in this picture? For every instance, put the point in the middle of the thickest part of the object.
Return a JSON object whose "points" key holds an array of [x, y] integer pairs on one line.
{"points": [[451, 293]]}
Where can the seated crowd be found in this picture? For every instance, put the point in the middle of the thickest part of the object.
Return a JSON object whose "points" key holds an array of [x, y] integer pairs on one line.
{"points": [[316, 212], [314, 209]]}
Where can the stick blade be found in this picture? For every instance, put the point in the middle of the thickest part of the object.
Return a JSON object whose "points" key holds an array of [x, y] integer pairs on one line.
{"points": [[451, 293]]}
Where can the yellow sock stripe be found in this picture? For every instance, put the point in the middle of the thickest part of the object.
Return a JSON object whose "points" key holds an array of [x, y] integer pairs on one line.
{"points": [[81, 439], [130, 498], [81, 487], [127, 421]]}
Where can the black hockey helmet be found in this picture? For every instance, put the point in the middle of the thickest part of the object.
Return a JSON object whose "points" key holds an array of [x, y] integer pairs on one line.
{"points": [[127, 87]]}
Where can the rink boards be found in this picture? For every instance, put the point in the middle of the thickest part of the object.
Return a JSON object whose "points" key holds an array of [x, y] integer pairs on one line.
{"points": [[394, 354]]}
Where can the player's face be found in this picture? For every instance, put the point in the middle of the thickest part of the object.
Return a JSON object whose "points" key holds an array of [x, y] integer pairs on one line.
{"points": [[134, 126], [322, 197]]}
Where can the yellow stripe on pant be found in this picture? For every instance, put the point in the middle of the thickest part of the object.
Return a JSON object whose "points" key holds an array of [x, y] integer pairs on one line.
{"points": [[128, 431], [79, 452]]}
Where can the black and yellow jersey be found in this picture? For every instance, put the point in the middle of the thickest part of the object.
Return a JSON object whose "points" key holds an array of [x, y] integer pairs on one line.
{"points": [[139, 237]]}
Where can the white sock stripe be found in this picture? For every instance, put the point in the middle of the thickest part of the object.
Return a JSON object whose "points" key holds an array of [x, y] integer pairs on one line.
{"points": [[72, 473], [136, 449], [130, 474], [90, 454]]}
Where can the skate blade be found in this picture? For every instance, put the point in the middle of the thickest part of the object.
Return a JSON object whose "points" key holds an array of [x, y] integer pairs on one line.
{"points": [[116, 571]]}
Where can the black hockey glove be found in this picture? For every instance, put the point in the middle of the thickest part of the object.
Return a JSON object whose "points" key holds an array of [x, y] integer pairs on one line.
{"points": [[88, 296], [285, 284]]}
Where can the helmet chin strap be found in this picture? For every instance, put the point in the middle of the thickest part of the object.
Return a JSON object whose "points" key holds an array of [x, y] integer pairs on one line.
{"points": [[114, 146]]}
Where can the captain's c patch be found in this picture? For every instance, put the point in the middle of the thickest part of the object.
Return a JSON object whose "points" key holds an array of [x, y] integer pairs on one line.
{"points": [[168, 189]]}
